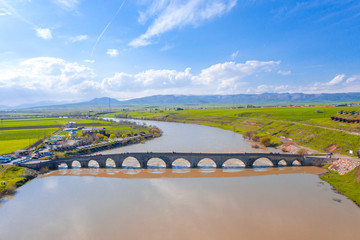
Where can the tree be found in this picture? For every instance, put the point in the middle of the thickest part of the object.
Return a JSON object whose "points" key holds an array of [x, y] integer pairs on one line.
{"points": [[112, 136]]}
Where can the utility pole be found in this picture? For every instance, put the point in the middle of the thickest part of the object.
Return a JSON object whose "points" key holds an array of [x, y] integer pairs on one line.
{"points": [[109, 106]]}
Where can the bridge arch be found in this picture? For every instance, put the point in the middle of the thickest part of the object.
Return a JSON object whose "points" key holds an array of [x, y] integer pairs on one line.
{"points": [[263, 162], [181, 163], [75, 164], [233, 163], [110, 163], [156, 162], [282, 163], [93, 164], [296, 163], [62, 165], [206, 163], [131, 162]]}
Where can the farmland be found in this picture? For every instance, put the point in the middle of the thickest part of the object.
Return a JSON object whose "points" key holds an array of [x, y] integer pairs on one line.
{"points": [[308, 126], [18, 134]]}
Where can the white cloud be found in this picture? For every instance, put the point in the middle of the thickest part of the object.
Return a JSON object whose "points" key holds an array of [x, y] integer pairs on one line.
{"points": [[336, 80], [67, 4], [79, 38], [112, 52], [219, 78], [4, 12], [353, 79], [176, 14], [47, 78], [234, 55], [89, 61], [44, 33], [284, 73]]}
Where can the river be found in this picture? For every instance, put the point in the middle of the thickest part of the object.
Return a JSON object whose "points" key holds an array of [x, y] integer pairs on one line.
{"points": [[260, 203]]}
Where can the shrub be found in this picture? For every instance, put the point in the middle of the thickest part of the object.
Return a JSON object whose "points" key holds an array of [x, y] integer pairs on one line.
{"points": [[301, 151], [254, 145], [248, 134], [265, 141], [255, 138]]}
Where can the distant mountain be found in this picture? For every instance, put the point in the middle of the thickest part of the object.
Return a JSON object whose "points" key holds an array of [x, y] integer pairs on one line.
{"points": [[245, 99], [156, 100]]}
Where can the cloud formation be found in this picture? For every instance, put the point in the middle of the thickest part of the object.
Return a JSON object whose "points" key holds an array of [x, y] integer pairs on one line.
{"points": [[219, 78], [112, 52], [44, 78], [4, 12], [54, 79], [170, 14], [79, 38], [44, 33]]}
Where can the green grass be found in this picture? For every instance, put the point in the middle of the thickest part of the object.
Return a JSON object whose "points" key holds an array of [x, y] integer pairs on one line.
{"points": [[273, 122], [11, 175], [347, 184], [31, 122], [12, 140]]}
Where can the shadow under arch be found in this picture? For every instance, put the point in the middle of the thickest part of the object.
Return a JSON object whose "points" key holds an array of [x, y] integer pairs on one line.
{"points": [[296, 163], [206, 163], [93, 164], [76, 164], [282, 163], [131, 162], [156, 163], [180, 163], [233, 163], [110, 163], [262, 163]]}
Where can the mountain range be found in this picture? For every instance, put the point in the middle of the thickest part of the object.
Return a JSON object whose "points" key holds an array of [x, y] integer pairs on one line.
{"points": [[157, 100]]}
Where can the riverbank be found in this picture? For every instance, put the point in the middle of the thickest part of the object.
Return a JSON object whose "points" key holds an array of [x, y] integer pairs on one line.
{"points": [[344, 176], [308, 127], [12, 177]]}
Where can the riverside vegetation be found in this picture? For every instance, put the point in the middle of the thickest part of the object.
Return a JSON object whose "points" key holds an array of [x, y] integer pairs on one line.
{"points": [[12, 177], [309, 127]]}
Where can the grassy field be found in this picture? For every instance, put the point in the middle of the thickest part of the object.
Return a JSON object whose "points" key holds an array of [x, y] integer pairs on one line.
{"points": [[304, 125], [12, 140], [14, 177], [348, 184], [31, 122]]}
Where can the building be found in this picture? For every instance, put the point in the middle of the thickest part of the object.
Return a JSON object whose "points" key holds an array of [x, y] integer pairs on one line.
{"points": [[71, 125]]}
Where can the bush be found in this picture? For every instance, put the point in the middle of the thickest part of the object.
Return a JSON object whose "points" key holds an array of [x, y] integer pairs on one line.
{"points": [[301, 151], [265, 141], [248, 134], [44, 170], [254, 145], [255, 138]]}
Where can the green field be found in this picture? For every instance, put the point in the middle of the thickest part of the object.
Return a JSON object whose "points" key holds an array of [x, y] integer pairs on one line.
{"points": [[304, 125], [21, 133], [31, 122], [12, 140]]}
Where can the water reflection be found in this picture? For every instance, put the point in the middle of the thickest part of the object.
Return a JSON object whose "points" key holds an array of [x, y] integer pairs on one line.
{"points": [[138, 204]]}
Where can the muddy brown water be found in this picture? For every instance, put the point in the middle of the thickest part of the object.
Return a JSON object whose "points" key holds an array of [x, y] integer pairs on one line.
{"points": [[180, 203]]}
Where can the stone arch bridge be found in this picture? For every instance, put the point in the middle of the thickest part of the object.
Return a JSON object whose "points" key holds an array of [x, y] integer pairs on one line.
{"points": [[193, 159]]}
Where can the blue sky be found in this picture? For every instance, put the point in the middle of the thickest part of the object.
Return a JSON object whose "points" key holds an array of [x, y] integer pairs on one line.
{"points": [[75, 50]]}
